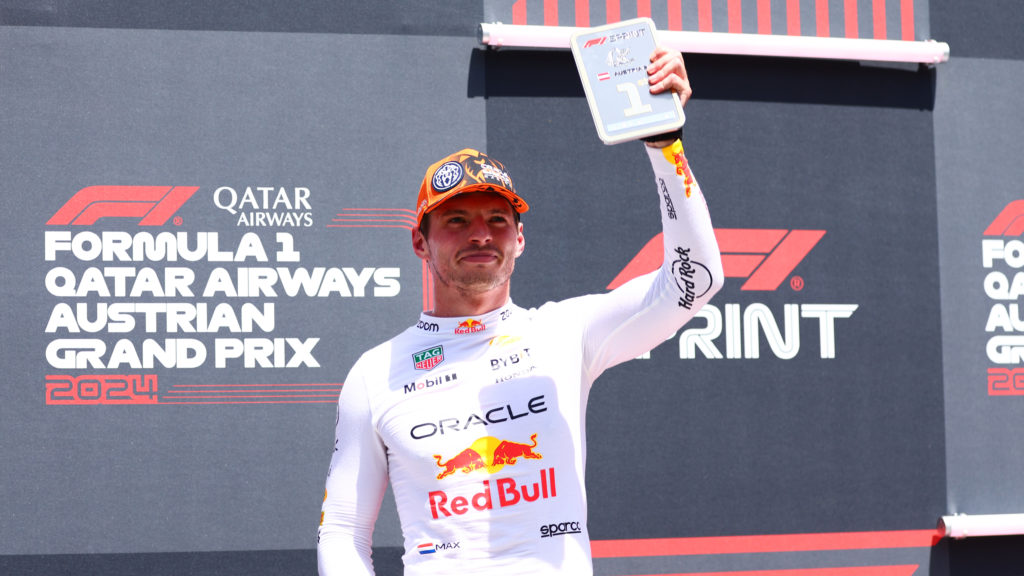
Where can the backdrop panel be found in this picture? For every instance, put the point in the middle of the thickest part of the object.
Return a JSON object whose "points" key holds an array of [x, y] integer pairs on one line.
{"points": [[805, 404], [979, 177], [162, 396]]}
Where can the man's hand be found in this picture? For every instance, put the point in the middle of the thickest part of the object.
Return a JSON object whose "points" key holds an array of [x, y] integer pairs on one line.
{"points": [[667, 72]]}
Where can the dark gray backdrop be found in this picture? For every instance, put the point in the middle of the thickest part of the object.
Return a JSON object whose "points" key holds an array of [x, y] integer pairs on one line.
{"points": [[902, 167]]}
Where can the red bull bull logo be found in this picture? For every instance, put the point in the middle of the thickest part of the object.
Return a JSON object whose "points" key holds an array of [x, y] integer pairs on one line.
{"points": [[470, 326], [487, 453]]}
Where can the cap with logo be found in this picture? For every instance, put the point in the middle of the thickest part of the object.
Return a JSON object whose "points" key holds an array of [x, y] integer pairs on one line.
{"points": [[465, 171]]}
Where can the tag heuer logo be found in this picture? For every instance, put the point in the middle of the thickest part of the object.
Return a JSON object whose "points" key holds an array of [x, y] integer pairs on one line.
{"points": [[427, 359]]}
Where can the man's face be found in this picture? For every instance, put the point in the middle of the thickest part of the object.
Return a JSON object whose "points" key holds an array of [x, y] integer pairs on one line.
{"points": [[472, 242]]}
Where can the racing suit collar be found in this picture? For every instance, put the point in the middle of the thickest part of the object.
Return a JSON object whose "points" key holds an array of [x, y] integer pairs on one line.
{"points": [[484, 323]]}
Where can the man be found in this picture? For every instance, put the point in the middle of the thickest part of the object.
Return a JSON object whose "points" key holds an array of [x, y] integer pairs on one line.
{"points": [[476, 414]]}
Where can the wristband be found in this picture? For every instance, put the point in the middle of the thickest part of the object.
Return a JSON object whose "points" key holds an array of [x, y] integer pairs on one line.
{"points": [[676, 134]]}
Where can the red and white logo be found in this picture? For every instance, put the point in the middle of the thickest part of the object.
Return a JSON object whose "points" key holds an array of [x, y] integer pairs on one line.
{"points": [[152, 205], [470, 326], [595, 42], [765, 257]]}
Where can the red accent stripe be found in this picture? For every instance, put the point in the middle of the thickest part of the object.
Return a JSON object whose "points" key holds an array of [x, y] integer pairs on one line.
{"points": [[878, 19], [213, 394], [765, 543], [583, 13], [822, 28], [764, 16], [611, 8], [907, 19], [551, 12], [905, 570], [191, 403], [675, 14], [735, 17], [407, 224], [519, 13], [850, 13], [229, 385], [793, 17], [704, 19], [428, 287], [413, 212], [643, 8]]}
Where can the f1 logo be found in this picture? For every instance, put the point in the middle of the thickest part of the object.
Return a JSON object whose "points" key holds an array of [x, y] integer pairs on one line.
{"points": [[154, 205], [764, 257], [1009, 222], [595, 41]]}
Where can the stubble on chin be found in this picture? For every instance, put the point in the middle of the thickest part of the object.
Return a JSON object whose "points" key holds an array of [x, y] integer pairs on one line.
{"points": [[470, 282]]}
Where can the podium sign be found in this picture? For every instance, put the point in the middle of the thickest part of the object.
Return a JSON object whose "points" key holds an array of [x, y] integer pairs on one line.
{"points": [[612, 61]]}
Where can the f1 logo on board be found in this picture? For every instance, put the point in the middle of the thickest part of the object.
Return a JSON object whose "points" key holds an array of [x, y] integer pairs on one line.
{"points": [[1002, 248], [764, 257], [152, 205]]}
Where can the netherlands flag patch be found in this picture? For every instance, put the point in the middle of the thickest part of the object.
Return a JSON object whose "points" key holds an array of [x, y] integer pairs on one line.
{"points": [[426, 548]]}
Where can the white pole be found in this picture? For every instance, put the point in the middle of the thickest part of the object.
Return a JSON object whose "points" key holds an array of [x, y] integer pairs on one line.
{"points": [[929, 52], [966, 526]]}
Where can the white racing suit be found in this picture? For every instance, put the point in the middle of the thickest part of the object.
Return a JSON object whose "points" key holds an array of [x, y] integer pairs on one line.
{"points": [[479, 422]]}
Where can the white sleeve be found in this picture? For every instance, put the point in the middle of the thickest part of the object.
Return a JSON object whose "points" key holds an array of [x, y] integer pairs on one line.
{"points": [[642, 313], [356, 482]]}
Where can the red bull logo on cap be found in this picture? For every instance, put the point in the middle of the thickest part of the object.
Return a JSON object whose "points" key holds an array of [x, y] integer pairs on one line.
{"points": [[487, 453]]}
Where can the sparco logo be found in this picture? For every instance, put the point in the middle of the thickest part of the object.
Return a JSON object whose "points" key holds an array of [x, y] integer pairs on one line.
{"points": [[152, 205], [560, 529]]}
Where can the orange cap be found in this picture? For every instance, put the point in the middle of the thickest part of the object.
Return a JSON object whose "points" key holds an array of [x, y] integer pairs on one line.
{"points": [[465, 171]]}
